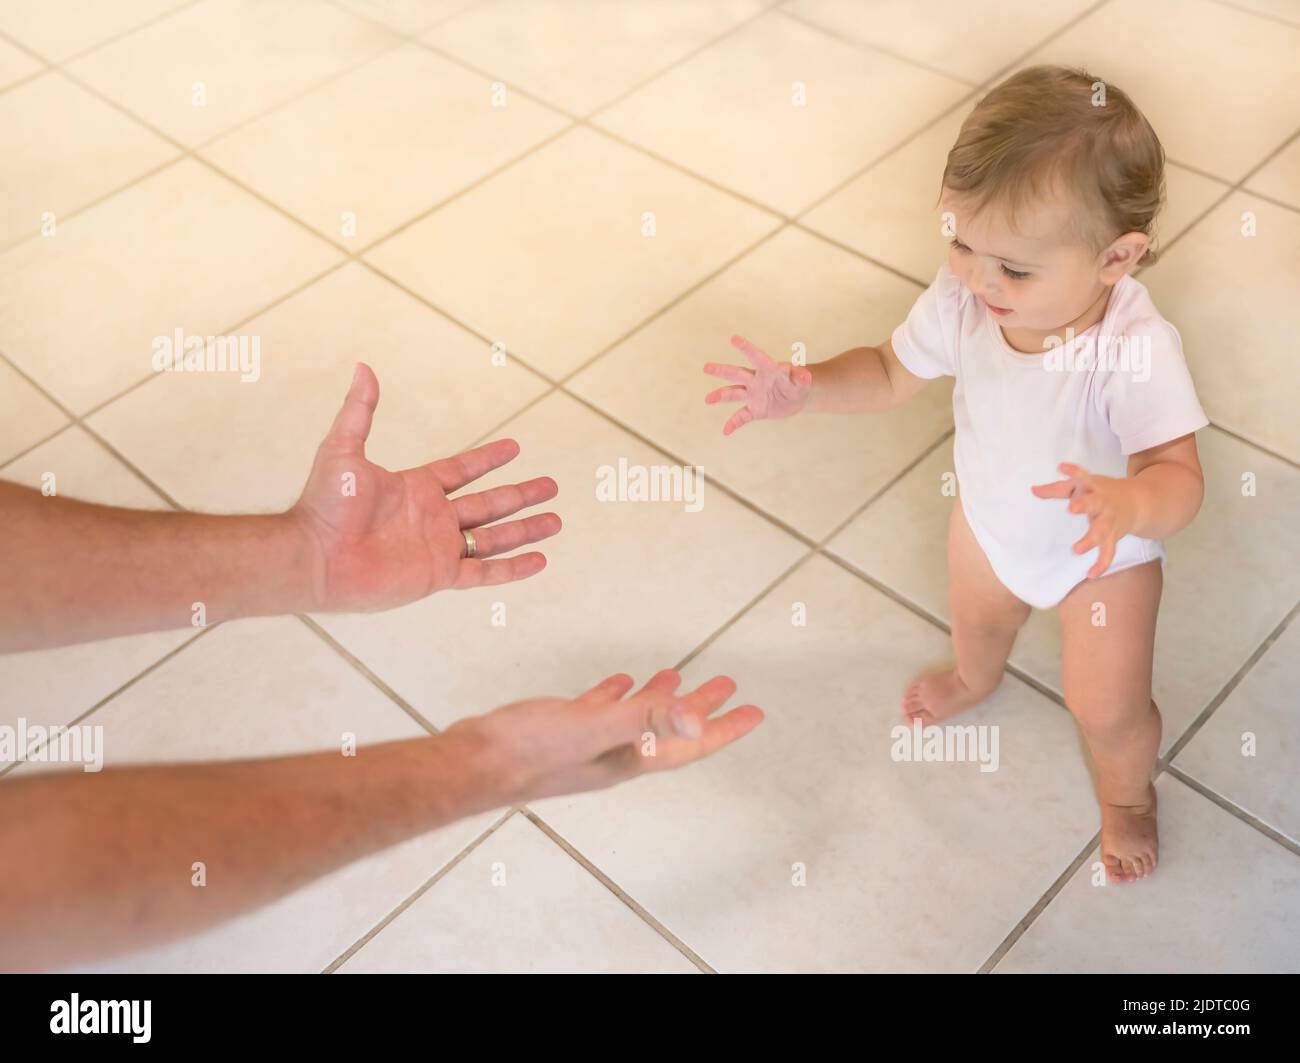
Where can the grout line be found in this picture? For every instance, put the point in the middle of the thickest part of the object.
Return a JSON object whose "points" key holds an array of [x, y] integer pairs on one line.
{"points": [[432, 881], [117, 691], [1233, 809], [313, 625], [161, 17], [880, 49], [618, 892], [1027, 920], [1259, 14], [1235, 681]]}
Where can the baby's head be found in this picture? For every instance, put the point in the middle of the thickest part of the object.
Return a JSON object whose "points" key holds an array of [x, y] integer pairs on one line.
{"points": [[1052, 190]]}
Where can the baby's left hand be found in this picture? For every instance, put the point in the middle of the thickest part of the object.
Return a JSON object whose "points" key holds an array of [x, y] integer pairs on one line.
{"points": [[1111, 506]]}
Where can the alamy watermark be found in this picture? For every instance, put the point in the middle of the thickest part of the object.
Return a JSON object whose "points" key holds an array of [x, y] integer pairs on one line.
{"points": [[651, 483], [1127, 354], [946, 744], [179, 353], [80, 744]]}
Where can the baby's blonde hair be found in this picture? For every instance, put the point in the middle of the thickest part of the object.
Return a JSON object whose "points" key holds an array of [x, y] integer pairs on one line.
{"points": [[1049, 124]]}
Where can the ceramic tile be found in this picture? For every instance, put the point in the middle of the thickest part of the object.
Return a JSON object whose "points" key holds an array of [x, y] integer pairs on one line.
{"points": [[439, 390], [539, 257], [777, 93], [518, 903], [1224, 899], [182, 249], [811, 471]]}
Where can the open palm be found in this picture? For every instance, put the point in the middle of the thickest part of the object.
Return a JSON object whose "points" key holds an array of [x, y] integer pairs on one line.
{"points": [[382, 538], [769, 391]]}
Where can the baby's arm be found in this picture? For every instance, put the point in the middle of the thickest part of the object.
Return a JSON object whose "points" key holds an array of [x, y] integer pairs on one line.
{"points": [[862, 380], [1167, 487]]}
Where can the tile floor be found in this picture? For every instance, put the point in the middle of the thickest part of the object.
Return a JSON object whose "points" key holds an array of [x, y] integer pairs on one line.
{"points": [[414, 181]]}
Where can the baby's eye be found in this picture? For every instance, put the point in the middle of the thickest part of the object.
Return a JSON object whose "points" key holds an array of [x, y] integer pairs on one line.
{"points": [[1014, 274], [957, 245]]}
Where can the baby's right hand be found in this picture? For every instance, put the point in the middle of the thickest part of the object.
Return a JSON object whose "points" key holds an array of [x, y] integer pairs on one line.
{"points": [[769, 391]]}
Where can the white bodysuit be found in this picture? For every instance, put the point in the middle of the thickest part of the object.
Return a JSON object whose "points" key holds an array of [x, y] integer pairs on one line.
{"points": [[1116, 388]]}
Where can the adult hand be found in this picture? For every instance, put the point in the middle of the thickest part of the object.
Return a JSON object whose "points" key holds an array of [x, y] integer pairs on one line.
{"points": [[769, 391], [548, 746], [379, 539], [1110, 504]]}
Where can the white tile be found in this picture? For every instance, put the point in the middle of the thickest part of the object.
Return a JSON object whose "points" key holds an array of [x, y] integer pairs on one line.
{"points": [[766, 111], [1280, 176], [58, 29], [1232, 297], [15, 64], [26, 416], [629, 586], [381, 144], [64, 148], [247, 56], [55, 686], [272, 688], [549, 257], [518, 903], [439, 391], [889, 848], [579, 54], [811, 471], [407, 16], [970, 40], [1224, 898], [181, 249], [1195, 68], [1247, 751]]}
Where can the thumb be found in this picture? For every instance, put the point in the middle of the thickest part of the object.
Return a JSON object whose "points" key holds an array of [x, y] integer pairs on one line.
{"points": [[351, 425]]}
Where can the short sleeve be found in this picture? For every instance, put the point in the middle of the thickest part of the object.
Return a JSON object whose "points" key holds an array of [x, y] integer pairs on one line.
{"points": [[1149, 396], [924, 342]]}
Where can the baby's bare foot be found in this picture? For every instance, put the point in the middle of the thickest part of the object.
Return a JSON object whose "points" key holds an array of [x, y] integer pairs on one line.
{"points": [[933, 698], [1128, 839]]}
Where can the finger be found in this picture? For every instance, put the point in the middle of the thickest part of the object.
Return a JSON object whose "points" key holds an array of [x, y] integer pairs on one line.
{"points": [[351, 427], [731, 393], [483, 507], [800, 376], [1103, 562], [710, 696], [637, 758], [502, 538], [664, 681], [611, 688], [716, 733], [1076, 472], [1057, 489], [1092, 537], [738, 373], [476, 573], [760, 359], [1085, 502], [738, 419], [455, 472]]}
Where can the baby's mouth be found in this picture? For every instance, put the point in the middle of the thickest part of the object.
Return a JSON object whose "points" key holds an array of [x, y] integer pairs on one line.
{"points": [[995, 309]]}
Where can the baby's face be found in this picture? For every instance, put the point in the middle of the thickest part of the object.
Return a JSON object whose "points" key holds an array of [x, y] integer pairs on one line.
{"points": [[1031, 277]]}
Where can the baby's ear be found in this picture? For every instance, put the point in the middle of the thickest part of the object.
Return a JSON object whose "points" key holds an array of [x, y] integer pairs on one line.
{"points": [[1123, 256]]}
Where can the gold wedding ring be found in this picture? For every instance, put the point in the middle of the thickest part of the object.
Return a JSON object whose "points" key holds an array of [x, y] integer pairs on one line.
{"points": [[471, 547]]}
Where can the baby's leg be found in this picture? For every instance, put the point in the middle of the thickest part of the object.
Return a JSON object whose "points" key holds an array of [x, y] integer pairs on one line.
{"points": [[985, 619], [1108, 629]]}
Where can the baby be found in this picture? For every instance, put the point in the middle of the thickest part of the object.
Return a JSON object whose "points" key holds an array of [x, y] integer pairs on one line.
{"points": [[1075, 416]]}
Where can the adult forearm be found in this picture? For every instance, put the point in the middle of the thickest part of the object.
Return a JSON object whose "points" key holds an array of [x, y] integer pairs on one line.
{"points": [[855, 381], [114, 861], [72, 571]]}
